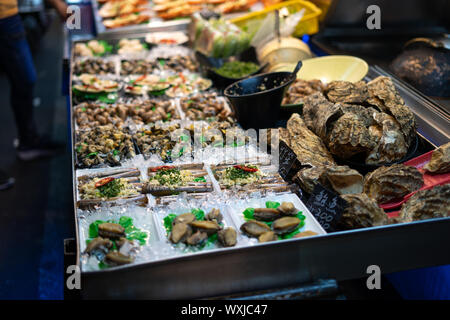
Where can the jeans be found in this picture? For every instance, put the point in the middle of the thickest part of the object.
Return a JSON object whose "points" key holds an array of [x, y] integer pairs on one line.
{"points": [[16, 61]]}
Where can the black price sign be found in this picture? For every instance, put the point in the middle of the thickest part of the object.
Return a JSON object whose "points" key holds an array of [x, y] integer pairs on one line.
{"points": [[326, 206], [288, 164]]}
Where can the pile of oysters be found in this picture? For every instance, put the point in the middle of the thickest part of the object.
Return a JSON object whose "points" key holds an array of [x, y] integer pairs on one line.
{"points": [[367, 120]]}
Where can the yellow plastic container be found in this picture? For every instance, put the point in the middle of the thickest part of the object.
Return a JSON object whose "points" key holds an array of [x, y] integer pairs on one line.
{"points": [[309, 24]]}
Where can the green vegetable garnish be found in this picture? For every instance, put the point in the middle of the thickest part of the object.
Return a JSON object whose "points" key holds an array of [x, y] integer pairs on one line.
{"points": [[272, 204], [233, 173], [111, 189], [168, 176], [236, 69], [200, 179]]}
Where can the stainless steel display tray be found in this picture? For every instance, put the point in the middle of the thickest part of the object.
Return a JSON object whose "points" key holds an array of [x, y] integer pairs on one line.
{"points": [[153, 26], [340, 255], [103, 32]]}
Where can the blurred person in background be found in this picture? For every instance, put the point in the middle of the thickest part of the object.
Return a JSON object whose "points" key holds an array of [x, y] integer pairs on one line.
{"points": [[17, 63]]}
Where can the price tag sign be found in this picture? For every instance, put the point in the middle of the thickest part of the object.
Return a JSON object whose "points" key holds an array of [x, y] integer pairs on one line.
{"points": [[289, 165], [326, 206]]}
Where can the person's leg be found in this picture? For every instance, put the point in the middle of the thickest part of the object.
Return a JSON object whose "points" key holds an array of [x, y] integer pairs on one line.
{"points": [[17, 62]]}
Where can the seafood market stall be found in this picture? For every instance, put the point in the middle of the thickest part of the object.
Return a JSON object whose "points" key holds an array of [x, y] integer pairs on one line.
{"points": [[174, 199]]}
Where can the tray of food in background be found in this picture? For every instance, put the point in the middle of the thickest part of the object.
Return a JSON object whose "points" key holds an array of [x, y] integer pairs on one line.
{"points": [[147, 85], [137, 66], [170, 180], [103, 146], [188, 228], [159, 140], [95, 66], [186, 83], [249, 177], [206, 106], [88, 87], [121, 13], [115, 236], [274, 218], [91, 114], [92, 48], [175, 38], [112, 187]]}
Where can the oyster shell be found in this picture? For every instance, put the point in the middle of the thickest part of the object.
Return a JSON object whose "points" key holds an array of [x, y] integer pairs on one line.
{"points": [[254, 228], [391, 145], [349, 136], [227, 237], [440, 160], [268, 236], [308, 178], [383, 94], [365, 114], [361, 212], [427, 204], [300, 89], [285, 225], [344, 180], [389, 183], [347, 92], [111, 230], [319, 114], [308, 147]]}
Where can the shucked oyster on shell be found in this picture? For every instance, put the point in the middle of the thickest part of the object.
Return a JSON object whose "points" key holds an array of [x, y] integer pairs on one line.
{"points": [[347, 92], [361, 212], [391, 145], [427, 204], [389, 183], [440, 160], [383, 95], [308, 147]]}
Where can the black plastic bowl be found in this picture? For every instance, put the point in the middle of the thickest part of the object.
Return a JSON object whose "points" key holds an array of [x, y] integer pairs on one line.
{"points": [[256, 100], [208, 64]]}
